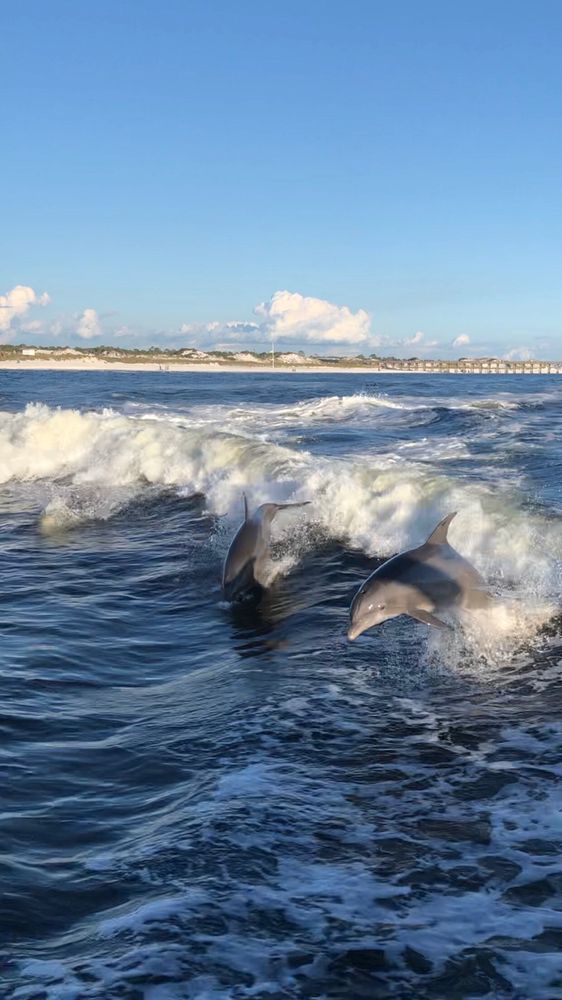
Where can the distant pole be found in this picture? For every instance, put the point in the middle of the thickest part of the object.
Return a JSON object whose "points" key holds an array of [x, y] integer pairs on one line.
{"points": [[272, 353]]}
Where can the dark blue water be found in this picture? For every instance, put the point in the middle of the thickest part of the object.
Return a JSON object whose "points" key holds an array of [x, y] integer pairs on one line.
{"points": [[201, 801]]}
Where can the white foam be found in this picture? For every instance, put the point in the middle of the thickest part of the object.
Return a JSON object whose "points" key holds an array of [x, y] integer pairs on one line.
{"points": [[489, 639], [97, 462], [156, 911], [315, 905], [325, 409]]}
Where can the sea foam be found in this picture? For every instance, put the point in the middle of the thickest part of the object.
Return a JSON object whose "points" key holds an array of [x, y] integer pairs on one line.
{"points": [[91, 464]]}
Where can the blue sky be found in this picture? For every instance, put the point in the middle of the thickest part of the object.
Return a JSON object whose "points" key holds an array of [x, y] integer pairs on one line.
{"points": [[386, 174]]}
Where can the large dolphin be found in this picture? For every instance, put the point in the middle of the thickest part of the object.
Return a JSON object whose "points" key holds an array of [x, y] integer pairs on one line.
{"points": [[247, 557], [419, 582]]}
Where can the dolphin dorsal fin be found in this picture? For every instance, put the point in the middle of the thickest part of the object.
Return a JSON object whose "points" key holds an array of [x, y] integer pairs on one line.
{"points": [[245, 499], [439, 534]]}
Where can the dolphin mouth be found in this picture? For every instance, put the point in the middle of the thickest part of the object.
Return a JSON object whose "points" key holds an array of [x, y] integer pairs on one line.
{"points": [[356, 629]]}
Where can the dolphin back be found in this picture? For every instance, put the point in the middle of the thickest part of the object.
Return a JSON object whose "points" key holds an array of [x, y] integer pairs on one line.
{"points": [[245, 566], [240, 557]]}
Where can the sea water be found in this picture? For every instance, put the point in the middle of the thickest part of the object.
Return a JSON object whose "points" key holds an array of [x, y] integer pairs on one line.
{"points": [[205, 801]]}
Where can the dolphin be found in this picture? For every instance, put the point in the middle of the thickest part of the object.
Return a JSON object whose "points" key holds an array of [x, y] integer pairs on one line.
{"points": [[245, 564], [419, 582]]}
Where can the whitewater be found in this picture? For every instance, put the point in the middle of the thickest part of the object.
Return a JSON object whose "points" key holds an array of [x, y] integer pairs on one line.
{"points": [[212, 802]]}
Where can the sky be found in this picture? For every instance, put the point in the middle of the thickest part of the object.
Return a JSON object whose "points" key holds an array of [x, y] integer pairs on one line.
{"points": [[359, 177]]}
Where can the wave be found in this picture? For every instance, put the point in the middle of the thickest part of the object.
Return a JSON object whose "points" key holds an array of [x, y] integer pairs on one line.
{"points": [[324, 410], [361, 408], [491, 404], [95, 463], [335, 407]]}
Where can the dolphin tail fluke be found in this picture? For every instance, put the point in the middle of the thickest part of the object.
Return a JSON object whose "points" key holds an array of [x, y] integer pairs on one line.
{"points": [[439, 534], [428, 619]]}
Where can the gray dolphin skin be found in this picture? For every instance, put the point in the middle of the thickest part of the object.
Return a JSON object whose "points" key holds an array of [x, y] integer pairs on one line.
{"points": [[419, 582], [244, 566]]}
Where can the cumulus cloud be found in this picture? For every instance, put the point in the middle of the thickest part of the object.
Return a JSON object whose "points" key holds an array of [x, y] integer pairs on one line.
{"points": [[461, 341], [32, 326], [16, 303], [88, 325], [519, 354], [125, 331], [293, 316], [289, 316], [416, 339], [234, 330]]}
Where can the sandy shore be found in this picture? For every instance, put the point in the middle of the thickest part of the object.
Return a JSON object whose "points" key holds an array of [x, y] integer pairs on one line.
{"points": [[76, 365]]}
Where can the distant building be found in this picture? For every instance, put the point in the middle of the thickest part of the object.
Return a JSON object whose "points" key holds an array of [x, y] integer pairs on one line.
{"points": [[29, 352]]}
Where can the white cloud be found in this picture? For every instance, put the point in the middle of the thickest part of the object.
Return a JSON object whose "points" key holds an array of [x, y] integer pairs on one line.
{"points": [[32, 326], [88, 325], [519, 354], [461, 341], [416, 339], [125, 331], [294, 316], [290, 316], [16, 303], [197, 328], [234, 330]]}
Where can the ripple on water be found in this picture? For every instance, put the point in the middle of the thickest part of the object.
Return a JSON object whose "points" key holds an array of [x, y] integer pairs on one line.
{"points": [[216, 803]]}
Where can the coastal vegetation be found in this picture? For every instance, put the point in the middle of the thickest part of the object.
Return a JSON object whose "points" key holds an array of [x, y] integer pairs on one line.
{"points": [[288, 360]]}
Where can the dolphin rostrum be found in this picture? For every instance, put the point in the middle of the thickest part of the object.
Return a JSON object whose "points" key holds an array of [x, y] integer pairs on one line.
{"points": [[246, 560], [419, 582]]}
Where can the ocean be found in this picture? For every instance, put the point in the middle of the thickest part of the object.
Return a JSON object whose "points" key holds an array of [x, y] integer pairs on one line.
{"points": [[216, 802]]}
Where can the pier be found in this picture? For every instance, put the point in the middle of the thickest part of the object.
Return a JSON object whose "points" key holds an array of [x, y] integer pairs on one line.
{"points": [[472, 366]]}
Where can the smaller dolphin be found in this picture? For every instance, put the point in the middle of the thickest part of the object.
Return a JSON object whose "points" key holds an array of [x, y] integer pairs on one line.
{"points": [[419, 582], [245, 563]]}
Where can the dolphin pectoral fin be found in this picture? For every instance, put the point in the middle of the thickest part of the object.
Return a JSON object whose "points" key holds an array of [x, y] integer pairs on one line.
{"points": [[439, 534], [428, 619]]}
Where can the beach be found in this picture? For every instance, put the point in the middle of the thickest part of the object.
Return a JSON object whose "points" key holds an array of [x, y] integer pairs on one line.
{"points": [[73, 361], [98, 364]]}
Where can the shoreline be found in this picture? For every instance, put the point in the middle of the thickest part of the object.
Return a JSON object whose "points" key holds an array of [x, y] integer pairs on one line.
{"points": [[99, 365], [168, 368]]}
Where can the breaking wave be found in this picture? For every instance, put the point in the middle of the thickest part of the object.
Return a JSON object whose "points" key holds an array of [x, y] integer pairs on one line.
{"points": [[92, 464]]}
